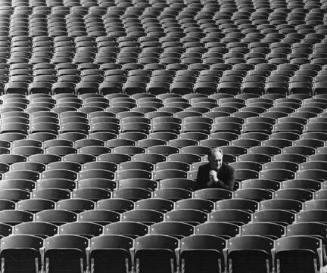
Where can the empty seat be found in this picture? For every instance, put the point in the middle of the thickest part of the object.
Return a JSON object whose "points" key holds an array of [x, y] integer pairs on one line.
{"points": [[237, 203], [172, 228], [21, 253], [277, 174], [277, 216], [117, 204], [14, 217], [260, 184], [190, 216], [238, 217], [213, 194], [132, 193], [250, 253], [99, 216], [201, 252], [294, 194], [283, 204], [57, 217], [160, 249], [133, 173], [84, 229], [256, 194], [93, 194], [307, 248], [116, 249], [129, 228], [308, 229], [319, 175], [66, 253], [270, 230], [311, 215], [39, 229], [181, 183], [195, 204], [173, 194], [142, 215], [75, 204]]}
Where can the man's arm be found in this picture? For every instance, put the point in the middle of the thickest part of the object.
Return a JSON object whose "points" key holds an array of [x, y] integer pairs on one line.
{"points": [[230, 179], [205, 178], [199, 179]]}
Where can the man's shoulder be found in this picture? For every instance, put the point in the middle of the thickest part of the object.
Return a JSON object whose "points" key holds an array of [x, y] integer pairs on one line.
{"points": [[204, 166], [228, 167]]}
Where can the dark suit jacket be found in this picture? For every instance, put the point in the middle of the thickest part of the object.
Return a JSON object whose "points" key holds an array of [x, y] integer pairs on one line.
{"points": [[225, 174]]}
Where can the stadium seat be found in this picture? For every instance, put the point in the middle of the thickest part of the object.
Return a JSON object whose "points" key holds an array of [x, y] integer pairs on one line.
{"points": [[75, 204], [308, 229], [260, 184], [307, 184], [145, 216], [116, 247], [212, 194], [173, 194], [237, 203], [21, 253], [57, 217], [234, 216], [311, 215], [256, 194], [39, 229], [84, 229], [189, 216], [270, 230], [241, 249], [172, 228], [283, 204], [67, 252], [315, 204], [202, 251], [160, 249], [117, 204], [99, 216], [129, 228], [306, 247], [277, 216]]}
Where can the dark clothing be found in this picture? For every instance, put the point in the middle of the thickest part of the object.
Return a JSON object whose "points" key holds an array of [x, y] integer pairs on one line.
{"points": [[225, 174]]}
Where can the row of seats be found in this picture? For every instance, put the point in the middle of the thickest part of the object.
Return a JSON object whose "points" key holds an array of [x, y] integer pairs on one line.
{"points": [[177, 229], [253, 198], [248, 253], [89, 46], [233, 83], [149, 175], [172, 189], [285, 213], [269, 196]]}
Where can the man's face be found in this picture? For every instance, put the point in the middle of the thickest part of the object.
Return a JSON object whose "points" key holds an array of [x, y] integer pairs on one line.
{"points": [[216, 160]]}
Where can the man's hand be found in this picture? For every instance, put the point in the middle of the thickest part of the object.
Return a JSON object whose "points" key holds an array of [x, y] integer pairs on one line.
{"points": [[213, 179], [222, 184]]}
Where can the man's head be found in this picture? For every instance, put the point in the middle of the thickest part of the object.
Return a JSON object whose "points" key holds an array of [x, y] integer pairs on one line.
{"points": [[215, 157]]}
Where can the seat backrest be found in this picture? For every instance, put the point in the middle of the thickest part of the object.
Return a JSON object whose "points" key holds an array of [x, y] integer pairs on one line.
{"points": [[66, 242], [128, 228], [21, 241], [202, 242], [251, 242], [156, 242], [110, 242]]}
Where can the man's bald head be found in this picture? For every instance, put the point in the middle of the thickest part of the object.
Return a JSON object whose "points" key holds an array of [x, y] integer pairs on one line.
{"points": [[215, 157]]}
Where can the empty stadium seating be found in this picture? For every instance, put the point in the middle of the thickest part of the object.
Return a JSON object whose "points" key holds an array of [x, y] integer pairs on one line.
{"points": [[109, 107]]}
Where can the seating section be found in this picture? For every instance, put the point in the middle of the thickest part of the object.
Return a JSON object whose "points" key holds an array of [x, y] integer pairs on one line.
{"points": [[108, 108]]}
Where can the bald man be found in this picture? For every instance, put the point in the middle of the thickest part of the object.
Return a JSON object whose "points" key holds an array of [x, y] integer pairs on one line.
{"points": [[215, 174]]}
